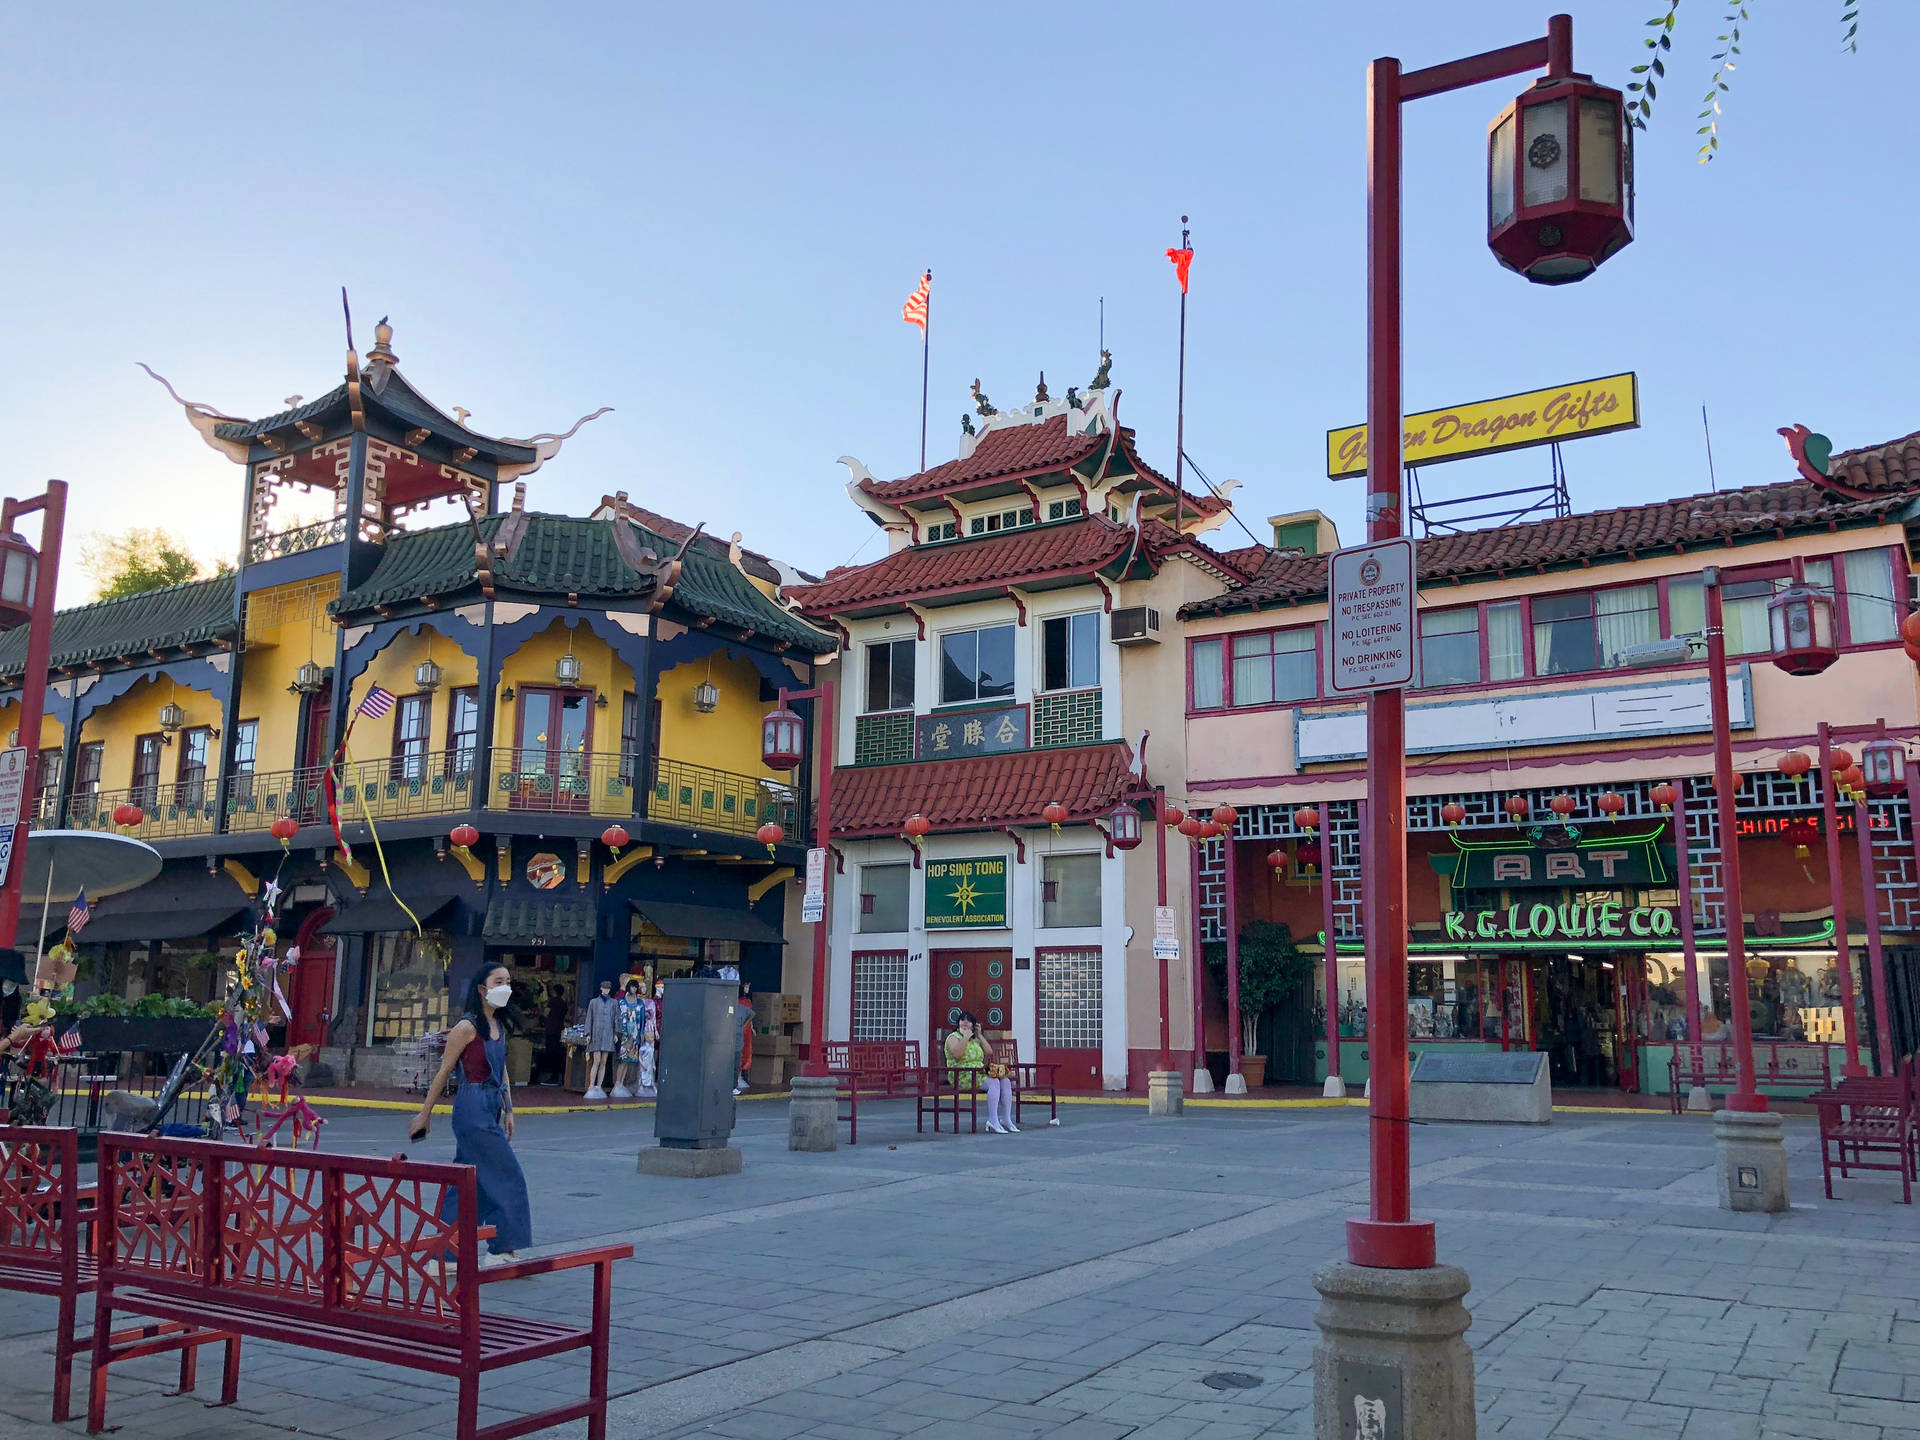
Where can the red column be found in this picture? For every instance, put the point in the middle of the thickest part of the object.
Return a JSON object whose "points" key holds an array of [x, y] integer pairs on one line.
{"points": [[1837, 888], [1193, 962], [1683, 874], [33, 681], [1160, 858], [1876, 954], [823, 838], [1333, 945], [1233, 959], [1745, 1097]]}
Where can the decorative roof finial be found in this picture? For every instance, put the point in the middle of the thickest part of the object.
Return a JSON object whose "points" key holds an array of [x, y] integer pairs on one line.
{"points": [[382, 344], [460, 414], [1100, 380], [1040, 395], [966, 424], [1073, 398], [982, 405], [292, 400]]}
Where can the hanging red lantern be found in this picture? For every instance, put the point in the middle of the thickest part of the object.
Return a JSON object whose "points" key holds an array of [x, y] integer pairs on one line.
{"points": [[284, 829], [1452, 813], [1191, 828], [464, 836], [1174, 815], [1883, 763], [1612, 803], [1910, 628], [1307, 817], [782, 739], [1055, 814], [127, 816], [1306, 859], [770, 835], [917, 827], [1560, 179], [614, 836], [1852, 781], [1838, 760], [1277, 862], [1664, 795], [1123, 826], [1224, 816], [1563, 805], [1795, 764], [1517, 806], [1912, 648]]}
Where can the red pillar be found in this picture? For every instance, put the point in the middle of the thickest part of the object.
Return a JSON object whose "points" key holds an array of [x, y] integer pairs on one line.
{"points": [[1160, 859], [1876, 953], [1233, 959], [1193, 961], [1744, 1097], [1683, 874], [1333, 944], [1837, 889], [33, 679], [823, 838]]}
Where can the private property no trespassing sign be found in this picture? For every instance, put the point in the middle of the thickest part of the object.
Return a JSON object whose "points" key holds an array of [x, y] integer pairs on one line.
{"points": [[1373, 603]]}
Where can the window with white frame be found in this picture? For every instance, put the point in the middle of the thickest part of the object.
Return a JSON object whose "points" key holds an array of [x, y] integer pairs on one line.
{"points": [[1000, 520], [1069, 890], [1064, 509], [879, 995], [1067, 996], [943, 530], [976, 664], [1450, 646], [889, 675], [883, 899], [1070, 651]]}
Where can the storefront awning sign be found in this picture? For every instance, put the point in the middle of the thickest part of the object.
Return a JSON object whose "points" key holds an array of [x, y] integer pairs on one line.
{"points": [[1544, 924], [1602, 862]]}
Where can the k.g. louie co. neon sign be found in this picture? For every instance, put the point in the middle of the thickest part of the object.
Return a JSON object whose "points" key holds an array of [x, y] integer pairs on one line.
{"points": [[1542, 922]]}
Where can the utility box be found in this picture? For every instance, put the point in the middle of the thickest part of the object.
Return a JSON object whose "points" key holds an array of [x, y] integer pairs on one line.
{"points": [[699, 1033]]}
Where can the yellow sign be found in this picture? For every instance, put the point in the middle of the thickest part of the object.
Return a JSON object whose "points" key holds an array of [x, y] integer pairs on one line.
{"points": [[1513, 422]]}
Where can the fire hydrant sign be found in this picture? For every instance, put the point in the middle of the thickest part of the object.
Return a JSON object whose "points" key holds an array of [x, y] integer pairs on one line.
{"points": [[1373, 607], [13, 790]]}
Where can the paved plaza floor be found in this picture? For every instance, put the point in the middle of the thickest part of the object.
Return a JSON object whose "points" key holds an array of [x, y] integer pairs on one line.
{"points": [[1100, 1279]]}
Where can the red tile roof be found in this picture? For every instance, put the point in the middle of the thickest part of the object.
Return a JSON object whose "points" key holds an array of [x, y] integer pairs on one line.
{"points": [[981, 792], [1893, 466], [1631, 530]]}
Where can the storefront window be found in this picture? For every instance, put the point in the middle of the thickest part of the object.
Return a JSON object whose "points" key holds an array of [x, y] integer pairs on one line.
{"points": [[409, 989], [1450, 647]]}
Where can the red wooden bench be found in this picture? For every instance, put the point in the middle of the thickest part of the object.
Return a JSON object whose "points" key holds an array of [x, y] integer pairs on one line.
{"points": [[46, 1222], [334, 1253], [1710, 1064], [872, 1070], [1862, 1118]]}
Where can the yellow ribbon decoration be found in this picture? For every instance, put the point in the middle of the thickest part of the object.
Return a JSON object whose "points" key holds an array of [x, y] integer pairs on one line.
{"points": [[360, 794]]}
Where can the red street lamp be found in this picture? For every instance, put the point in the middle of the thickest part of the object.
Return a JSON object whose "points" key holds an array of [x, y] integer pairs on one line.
{"points": [[782, 738], [1123, 826], [27, 583], [1883, 766], [783, 745], [1800, 630], [1560, 179]]}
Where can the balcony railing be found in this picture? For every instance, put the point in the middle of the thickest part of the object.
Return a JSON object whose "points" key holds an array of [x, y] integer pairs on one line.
{"points": [[171, 811], [539, 780], [296, 541], [693, 795]]}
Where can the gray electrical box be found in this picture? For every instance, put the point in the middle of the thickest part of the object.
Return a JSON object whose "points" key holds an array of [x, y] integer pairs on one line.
{"points": [[699, 1029]]}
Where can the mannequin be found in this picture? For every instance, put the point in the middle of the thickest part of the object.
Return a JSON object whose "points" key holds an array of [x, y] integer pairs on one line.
{"points": [[603, 1028]]}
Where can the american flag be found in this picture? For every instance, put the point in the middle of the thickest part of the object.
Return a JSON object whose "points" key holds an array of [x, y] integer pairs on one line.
{"points": [[79, 915], [378, 703], [914, 312], [70, 1041]]}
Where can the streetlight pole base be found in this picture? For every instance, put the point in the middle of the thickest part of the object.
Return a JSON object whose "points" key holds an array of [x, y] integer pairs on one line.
{"points": [[1163, 1093], [1391, 1244], [1393, 1358], [1750, 1161], [1699, 1101]]}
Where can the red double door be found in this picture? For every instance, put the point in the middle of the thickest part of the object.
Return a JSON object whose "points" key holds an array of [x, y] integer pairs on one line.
{"points": [[310, 993], [977, 981]]}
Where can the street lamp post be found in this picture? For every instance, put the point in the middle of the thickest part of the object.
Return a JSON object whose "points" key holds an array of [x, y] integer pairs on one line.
{"points": [[779, 734], [1850, 1066], [1559, 203], [29, 587]]}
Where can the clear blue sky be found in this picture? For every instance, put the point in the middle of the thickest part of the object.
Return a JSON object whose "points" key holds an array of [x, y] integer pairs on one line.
{"points": [[708, 216]]}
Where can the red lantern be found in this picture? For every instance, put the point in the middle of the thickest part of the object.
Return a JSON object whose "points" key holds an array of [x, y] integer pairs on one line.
{"points": [[770, 835], [1307, 817], [1055, 814], [1123, 826], [614, 836], [782, 739], [464, 836], [1277, 861], [1560, 180], [917, 827], [1191, 828], [1795, 764], [1910, 628], [284, 829], [1224, 816], [1452, 813], [1664, 795], [1306, 859], [127, 816], [1912, 648], [1838, 760], [1611, 804], [1852, 781], [1175, 815], [1517, 806], [1563, 805], [1800, 630], [1884, 764]]}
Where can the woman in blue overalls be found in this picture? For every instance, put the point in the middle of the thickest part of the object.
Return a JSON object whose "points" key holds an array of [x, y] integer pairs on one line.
{"points": [[483, 1112]]}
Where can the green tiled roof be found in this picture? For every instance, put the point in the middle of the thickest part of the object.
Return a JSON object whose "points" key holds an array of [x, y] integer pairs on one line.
{"points": [[535, 919], [400, 400], [192, 614], [561, 555]]}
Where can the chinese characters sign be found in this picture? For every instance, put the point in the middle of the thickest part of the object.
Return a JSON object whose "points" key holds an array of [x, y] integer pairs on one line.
{"points": [[944, 736], [967, 894]]}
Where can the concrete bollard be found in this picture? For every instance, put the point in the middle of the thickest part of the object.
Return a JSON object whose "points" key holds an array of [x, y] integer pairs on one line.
{"points": [[1750, 1158], [1393, 1360], [813, 1113], [1163, 1093]]}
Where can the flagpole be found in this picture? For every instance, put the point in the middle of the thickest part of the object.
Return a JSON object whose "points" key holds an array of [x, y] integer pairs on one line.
{"points": [[1180, 413], [926, 349]]}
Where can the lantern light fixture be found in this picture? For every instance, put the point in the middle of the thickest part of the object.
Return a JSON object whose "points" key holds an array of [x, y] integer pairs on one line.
{"points": [[1307, 817], [566, 669], [308, 679], [781, 739], [1123, 826], [1800, 630], [1055, 814], [1611, 803], [706, 695], [1174, 815], [1225, 816], [1563, 805], [1452, 813], [428, 676], [127, 815], [1517, 806], [464, 837], [1560, 180], [19, 577], [1795, 764], [1664, 795], [172, 718], [1277, 861], [1883, 765], [1839, 760]]}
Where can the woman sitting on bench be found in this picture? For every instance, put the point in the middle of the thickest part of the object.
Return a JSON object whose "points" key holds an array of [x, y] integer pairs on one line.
{"points": [[968, 1053]]}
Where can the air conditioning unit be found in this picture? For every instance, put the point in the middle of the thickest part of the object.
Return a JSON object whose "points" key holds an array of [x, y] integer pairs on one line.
{"points": [[1136, 625]]}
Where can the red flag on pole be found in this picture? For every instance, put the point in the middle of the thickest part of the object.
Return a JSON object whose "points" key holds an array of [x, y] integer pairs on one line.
{"points": [[914, 312], [1181, 259]]}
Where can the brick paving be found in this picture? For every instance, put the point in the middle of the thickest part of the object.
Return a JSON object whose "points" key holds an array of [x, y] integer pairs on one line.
{"points": [[1101, 1279]]}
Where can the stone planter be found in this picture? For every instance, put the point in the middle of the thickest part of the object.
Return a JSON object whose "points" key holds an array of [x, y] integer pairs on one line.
{"points": [[1254, 1069]]}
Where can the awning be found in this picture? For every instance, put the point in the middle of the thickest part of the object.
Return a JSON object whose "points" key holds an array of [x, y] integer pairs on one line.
{"points": [[707, 922], [378, 912], [171, 924], [538, 921]]}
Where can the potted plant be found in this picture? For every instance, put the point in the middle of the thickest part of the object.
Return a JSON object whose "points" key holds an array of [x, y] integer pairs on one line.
{"points": [[1271, 970]]}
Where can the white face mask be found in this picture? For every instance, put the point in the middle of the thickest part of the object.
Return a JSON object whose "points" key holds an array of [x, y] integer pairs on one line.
{"points": [[499, 995], [7, 987]]}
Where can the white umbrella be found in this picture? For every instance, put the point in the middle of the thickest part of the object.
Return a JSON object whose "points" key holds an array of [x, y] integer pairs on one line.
{"points": [[62, 863]]}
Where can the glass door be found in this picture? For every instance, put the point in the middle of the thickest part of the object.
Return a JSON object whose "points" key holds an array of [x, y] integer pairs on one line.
{"points": [[553, 748]]}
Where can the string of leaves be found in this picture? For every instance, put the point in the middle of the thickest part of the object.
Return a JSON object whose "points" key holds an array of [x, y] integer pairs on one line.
{"points": [[1644, 88]]}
